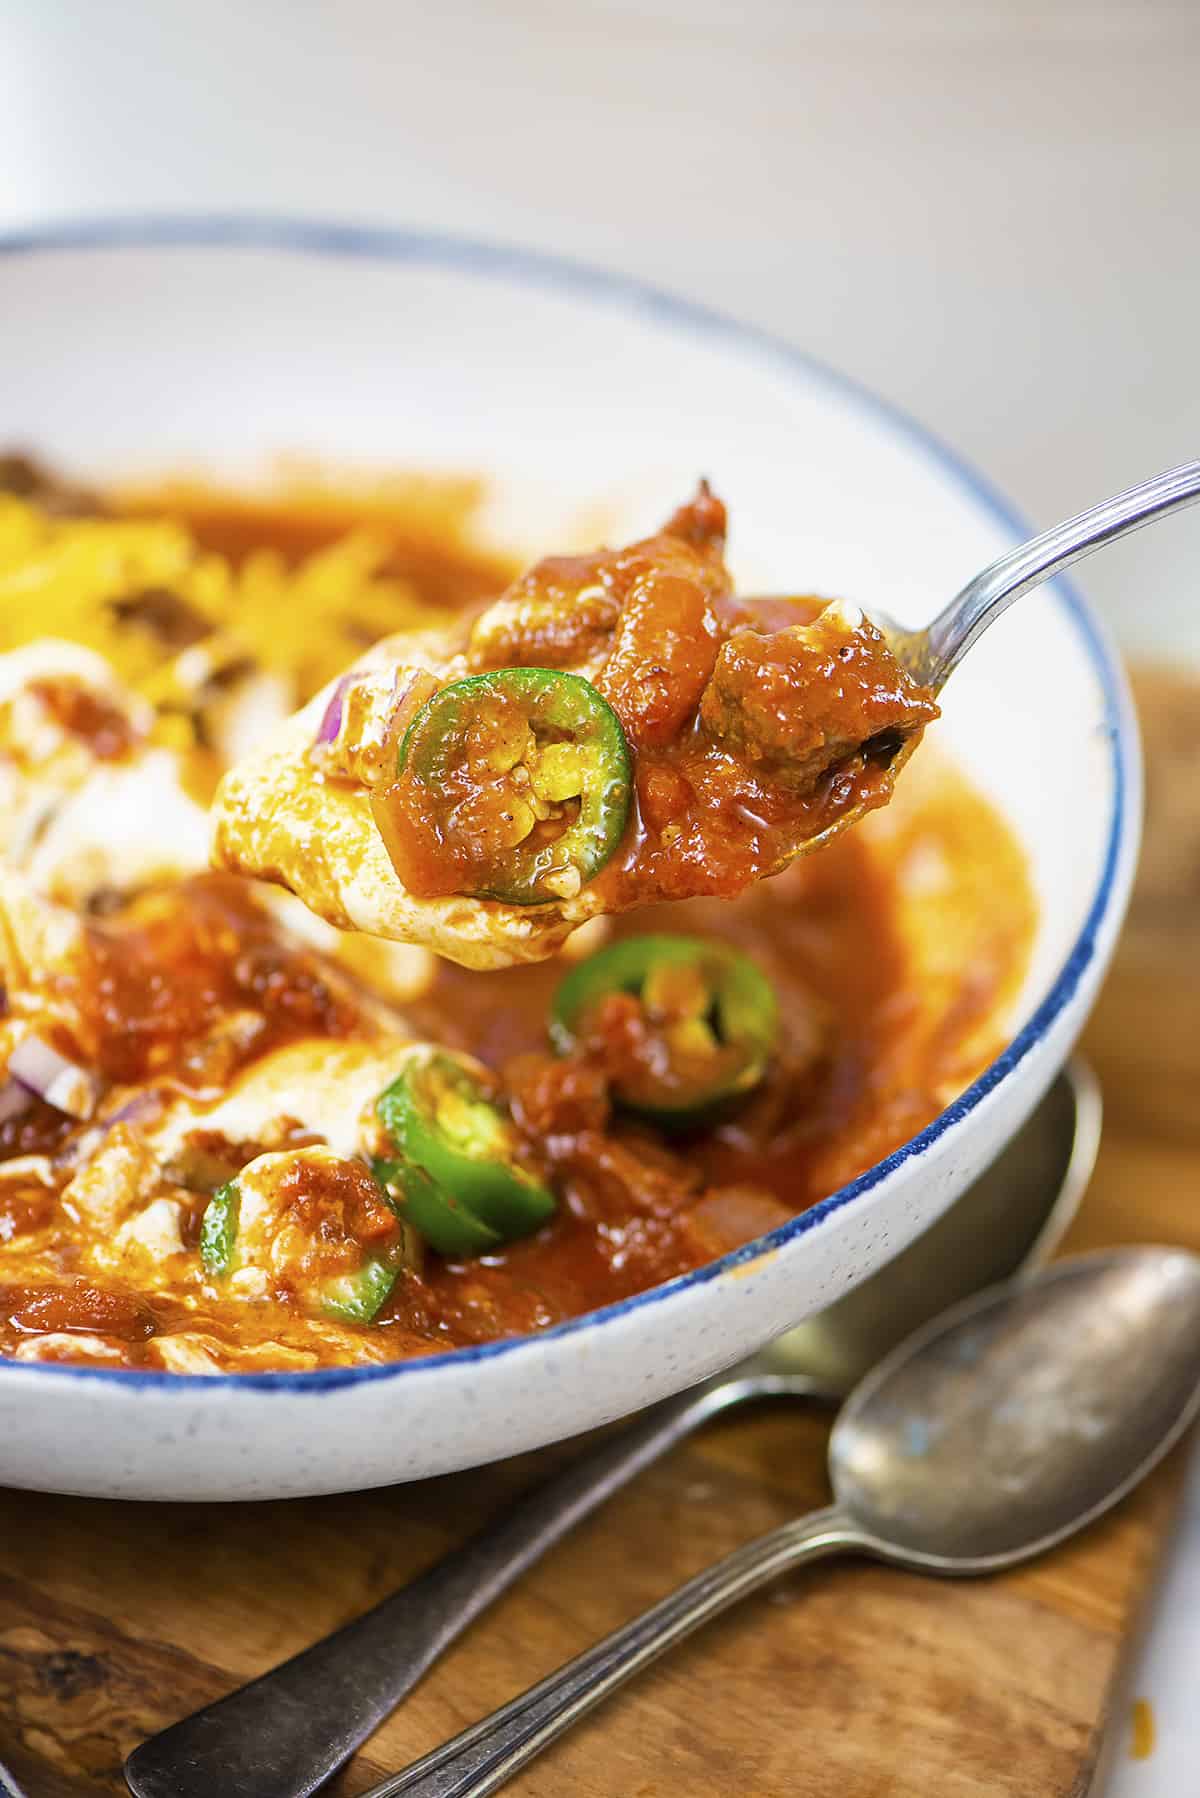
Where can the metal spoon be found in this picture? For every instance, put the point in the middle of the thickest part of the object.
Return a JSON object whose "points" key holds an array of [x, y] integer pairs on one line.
{"points": [[1008, 1221], [932, 653], [286, 1733], [991, 1435], [8, 1785]]}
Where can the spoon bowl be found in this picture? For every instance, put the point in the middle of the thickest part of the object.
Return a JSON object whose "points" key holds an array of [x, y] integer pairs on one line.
{"points": [[1019, 1416], [994, 1433], [251, 1744]]}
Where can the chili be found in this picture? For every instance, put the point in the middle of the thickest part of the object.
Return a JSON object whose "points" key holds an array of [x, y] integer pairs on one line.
{"points": [[513, 785], [357, 1293], [458, 1170], [688, 1025]]}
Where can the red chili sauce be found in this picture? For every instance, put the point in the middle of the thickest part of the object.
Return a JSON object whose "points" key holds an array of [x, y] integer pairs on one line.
{"points": [[860, 1064]]}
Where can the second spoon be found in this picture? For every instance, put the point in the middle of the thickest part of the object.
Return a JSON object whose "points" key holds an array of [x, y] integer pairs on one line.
{"points": [[286, 1733]]}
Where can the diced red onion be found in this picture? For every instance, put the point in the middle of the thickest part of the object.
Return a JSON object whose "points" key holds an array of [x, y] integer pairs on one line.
{"points": [[405, 682], [78, 1150], [331, 722], [408, 695], [14, 1099], [59, 1081], [144, 1105]]}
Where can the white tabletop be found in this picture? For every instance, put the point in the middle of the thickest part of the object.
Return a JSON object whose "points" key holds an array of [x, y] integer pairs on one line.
{"points": [[986, 209]]}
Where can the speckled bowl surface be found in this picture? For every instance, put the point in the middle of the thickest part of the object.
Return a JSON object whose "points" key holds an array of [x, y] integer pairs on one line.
{"points": [[134, 346]]}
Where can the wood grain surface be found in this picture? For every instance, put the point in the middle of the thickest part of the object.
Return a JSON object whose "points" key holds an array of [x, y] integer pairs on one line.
{"points": [[846, 1682]]}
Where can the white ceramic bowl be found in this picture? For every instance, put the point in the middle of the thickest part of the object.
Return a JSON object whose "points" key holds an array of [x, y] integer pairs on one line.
{"points": [[135, 347]]}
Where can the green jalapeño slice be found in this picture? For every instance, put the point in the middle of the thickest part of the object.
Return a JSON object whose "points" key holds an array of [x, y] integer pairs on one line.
{"points": [[685, 1026], [514, 785], [218, 1230], [457, 1171], [312, 1222]]}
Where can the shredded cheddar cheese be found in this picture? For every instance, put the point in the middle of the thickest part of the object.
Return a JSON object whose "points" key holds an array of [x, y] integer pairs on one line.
{"points": [[97, 581]]}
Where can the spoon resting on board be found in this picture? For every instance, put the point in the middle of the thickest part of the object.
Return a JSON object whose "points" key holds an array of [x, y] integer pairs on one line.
{"points": [[286, 1733], [987, 1438]]}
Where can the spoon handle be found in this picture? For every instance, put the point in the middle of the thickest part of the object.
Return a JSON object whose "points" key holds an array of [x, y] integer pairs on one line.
{"points": [[483, 1758], [993, 590], [285, 1734]]}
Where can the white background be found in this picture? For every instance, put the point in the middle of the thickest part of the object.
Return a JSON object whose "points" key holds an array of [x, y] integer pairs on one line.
{"points": [[989, 210]]}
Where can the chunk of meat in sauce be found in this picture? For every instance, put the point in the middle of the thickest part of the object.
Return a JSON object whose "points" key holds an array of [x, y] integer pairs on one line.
{"points": [[797, 700], [206, 1159], [665, 646], [76, 1308], [563, 612], [336, 1200], [641, 622], [25, 1206], [753, 727], [559, 615], [81, 712], [305, 1217], [38, 1130], [198, 981], [663, 654], [563, 1104]]}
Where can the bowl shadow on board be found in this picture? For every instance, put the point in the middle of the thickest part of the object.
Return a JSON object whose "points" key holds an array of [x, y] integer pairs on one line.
{"points": [[1008, 1221]]}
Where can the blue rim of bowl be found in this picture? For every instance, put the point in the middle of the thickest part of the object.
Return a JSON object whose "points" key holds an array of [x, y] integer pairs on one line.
{"points": [[547, 272]]}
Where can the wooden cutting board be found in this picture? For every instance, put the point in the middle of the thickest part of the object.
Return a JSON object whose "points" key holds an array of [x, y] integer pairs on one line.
{"points": [[846, 1682]]}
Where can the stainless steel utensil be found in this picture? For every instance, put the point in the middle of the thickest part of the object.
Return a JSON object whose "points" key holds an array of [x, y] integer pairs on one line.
{"points": [[8, 1784], [932, 653], [1003, 1223], [286, 1733], [993, 1434]]}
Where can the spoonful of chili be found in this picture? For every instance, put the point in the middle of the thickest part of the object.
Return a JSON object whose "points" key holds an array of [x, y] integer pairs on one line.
{"points": [[617, 729]]}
